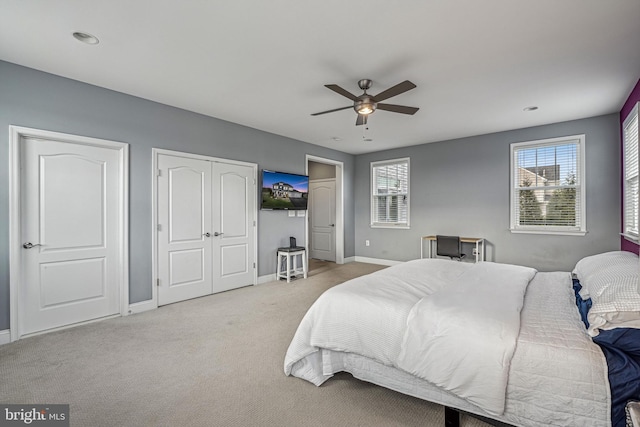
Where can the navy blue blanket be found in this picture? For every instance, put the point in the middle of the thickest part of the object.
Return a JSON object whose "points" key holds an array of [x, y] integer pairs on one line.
{"points": [[621, 348], [583, 305]]}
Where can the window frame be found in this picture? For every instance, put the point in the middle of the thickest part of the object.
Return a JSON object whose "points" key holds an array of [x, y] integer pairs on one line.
{"points": [[579, 230], [373, 223], [634, 234]]}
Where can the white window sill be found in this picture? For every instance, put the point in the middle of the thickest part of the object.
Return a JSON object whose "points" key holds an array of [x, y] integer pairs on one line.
{"points": [[401, 227], [631, 238], [550, 232]]}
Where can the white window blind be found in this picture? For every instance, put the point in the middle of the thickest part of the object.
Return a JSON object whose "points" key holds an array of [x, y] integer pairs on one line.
{"points": [[548, 186], [390, 193], [630, 147]]}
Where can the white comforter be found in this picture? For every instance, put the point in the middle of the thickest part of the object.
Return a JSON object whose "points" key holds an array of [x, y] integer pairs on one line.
{"points": [[399, 315], [462, 338]]}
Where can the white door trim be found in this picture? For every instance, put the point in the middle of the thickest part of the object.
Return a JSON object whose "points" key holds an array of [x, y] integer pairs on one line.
{"points": [[339, 205], [155, 152], [16, 133]]}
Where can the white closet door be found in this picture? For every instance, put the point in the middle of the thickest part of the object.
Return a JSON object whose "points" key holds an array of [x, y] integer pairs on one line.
{"points": [[234, 226], [184, 233]]}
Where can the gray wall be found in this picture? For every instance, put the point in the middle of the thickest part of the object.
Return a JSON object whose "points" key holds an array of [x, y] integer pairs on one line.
{"points": [[39, 100], [461, 187]]}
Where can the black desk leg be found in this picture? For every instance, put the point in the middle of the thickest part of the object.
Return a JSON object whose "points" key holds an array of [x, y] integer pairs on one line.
{"points": [[451, 417]]}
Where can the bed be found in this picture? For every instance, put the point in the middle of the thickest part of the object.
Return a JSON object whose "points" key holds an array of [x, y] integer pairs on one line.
{"points": [[503, 342]]}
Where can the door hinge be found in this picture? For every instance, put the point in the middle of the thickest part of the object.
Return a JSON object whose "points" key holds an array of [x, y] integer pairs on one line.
{"points": [[157, 282], [254, 223], [159, 227], [254, 265], [159, 172]]}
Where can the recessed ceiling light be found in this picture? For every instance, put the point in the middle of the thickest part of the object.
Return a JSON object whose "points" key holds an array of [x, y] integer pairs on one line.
{"points": [[531, 108], [336, 138], [86, 38]]}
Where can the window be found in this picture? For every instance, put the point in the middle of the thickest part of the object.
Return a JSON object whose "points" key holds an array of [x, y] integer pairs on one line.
{"points": [[547, 186], [390, 193], [630, 184]]}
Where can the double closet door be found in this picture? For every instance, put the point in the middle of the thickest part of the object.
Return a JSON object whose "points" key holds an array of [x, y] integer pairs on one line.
{"points": [[206, 226]]}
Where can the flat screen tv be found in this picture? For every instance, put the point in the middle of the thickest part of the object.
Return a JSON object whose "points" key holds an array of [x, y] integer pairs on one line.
{"points": [[281, 190]]}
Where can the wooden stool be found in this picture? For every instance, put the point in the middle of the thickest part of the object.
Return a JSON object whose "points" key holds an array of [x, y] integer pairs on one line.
{"points": [[289, 253]]}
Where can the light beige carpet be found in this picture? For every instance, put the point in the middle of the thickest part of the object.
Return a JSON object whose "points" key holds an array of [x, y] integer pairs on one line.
{"points": [[211, 361]]}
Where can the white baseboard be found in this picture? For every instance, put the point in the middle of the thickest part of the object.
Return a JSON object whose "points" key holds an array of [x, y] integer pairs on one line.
{"points": [[377, 261], [349, 259], [142, 306], [5, 337], [266, 279]]}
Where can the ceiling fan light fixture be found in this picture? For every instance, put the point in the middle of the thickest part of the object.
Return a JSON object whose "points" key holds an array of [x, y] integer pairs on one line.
{"points": [[365, 106], [365, 109]]}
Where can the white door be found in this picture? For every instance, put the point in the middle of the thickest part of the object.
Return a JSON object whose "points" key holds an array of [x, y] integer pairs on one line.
{"points": [[322, 219], [233, 225], [71, 203], [184, 228], [206, 226]]}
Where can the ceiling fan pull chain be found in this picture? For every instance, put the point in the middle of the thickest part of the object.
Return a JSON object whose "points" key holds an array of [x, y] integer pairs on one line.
{"points": [[365, 129]]}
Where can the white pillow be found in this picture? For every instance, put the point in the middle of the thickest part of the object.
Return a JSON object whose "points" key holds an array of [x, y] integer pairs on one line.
{"points": [[596, 264], [611, 281]]}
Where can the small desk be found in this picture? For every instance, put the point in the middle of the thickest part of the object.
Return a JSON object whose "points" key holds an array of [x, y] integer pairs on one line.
{"points": [[287, 254], [478, 241]]}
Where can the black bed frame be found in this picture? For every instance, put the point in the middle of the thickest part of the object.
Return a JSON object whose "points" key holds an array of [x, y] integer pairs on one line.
{"points": [[452, 418]]}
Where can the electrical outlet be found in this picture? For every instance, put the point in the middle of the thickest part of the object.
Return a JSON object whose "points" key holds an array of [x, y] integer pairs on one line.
{"points": [[475, 252], [366, 243]]}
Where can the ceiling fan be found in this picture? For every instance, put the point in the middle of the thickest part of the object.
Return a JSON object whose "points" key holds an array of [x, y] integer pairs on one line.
{"points": [[366, 104]]}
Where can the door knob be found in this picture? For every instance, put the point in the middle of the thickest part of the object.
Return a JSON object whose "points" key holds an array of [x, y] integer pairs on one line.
{"points": [[207, 234], [217, 234], [332, 225], [30, 245]]}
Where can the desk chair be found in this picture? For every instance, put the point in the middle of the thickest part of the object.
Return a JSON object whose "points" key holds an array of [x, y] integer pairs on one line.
{"points": [[449, 246]]}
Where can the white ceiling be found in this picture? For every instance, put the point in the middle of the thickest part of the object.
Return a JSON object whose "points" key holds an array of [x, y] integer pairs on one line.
{"points": [[264, 64]]}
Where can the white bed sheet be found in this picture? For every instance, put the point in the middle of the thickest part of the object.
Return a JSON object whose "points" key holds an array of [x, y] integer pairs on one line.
{"points": [[557, 375]]}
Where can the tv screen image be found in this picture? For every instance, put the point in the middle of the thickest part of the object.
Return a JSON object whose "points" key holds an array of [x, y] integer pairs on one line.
{"points": [[281, 190]]}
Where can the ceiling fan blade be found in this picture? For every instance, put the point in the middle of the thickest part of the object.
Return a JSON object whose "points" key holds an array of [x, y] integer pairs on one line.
{"points": [[331, 111], [341, 91], [395, 90], [397, 108], [361, 120]]}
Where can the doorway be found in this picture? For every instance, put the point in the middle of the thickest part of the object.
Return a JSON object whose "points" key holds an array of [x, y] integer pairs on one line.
{"points": [[325, 221], [69, 228], [205, 225]]}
